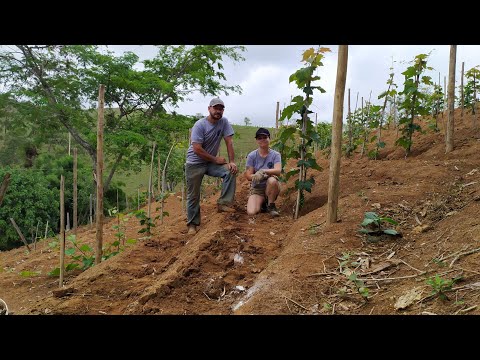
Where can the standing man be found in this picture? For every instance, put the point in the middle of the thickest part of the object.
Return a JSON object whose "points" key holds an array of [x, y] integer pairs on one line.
{"points": [[202, 159], [264, 165]]}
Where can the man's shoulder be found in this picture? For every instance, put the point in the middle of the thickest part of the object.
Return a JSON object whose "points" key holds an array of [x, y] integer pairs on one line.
{"points": [[274, 152]]}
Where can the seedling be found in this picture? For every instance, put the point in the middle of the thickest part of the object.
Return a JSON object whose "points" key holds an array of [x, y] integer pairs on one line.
{"points": [[373, 224], [440, 286]]}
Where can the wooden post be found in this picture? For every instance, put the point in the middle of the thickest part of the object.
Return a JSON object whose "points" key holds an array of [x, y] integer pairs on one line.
{"points": [[3, 188], [337, 123], [75, 193], [118, 205], [159, 174], [36, 234], [150, 179], [67, 227], [138, 199], [69, 142], [444, 93], [19, 232], [164, 179], [46, 230], [91, 210], [461, 89], [451, 98], [99, 209], [349, 122], [62, 229]]}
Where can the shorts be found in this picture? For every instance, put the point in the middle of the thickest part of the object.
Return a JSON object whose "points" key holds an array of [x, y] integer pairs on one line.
{"points": [[260, 190]]}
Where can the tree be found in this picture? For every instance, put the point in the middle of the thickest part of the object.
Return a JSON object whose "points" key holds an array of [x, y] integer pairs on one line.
{"points": [[60, 82], [247, 121]]}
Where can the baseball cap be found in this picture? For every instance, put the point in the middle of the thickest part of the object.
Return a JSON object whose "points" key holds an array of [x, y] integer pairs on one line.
{"points": [[262, 131], [216, 101]]}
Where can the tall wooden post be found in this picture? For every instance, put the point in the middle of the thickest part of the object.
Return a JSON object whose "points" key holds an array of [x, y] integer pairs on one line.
{"points": [[150, 179], [462, 100], [75, 193], [69, 143], [337, 123], [62, 229], [99, 208], [451, 98]]}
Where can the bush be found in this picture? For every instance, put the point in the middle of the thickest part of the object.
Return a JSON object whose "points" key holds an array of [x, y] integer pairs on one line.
{"points": [[28, 200]]}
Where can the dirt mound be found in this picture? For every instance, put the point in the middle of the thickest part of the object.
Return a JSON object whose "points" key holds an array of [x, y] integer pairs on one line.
{"points": [[237, 264]]}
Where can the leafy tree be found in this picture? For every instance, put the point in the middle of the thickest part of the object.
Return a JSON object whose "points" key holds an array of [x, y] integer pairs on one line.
{"points": [[61, 83], [413, 103], [30, 199], [247, 121], [472, 87], [304, 129]]}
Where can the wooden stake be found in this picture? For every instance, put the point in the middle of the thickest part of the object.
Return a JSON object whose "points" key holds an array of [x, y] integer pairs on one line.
{"points": [[99, 209], [62, 229], [461, 88], [19, 232], [46, 230], [75, 192], [150, 179], [337, 123], [451, 99], [91, 210]]}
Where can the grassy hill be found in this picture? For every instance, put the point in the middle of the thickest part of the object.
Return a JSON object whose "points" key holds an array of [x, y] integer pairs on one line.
{"points": [[244, 142]]}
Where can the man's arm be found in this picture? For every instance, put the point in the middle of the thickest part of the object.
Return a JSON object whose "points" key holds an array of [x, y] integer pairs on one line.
{"points": [[231, 154], [200, 151]]}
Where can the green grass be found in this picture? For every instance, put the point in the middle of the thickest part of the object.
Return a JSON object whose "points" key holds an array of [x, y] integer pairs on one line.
{"points": [[243, 141]]}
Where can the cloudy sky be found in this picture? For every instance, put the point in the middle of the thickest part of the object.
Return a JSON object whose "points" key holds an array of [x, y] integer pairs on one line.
{"points": [[264, 76]]}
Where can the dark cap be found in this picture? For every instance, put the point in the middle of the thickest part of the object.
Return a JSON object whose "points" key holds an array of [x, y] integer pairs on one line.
{"points": [[216, 101], [262, 131]]}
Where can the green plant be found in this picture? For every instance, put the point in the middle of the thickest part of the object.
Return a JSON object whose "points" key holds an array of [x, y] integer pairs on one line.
{"points": [[440, 286], [345, 265], [86, 255], [414, 100], [373, 224], [146, 221], [288, 136]]}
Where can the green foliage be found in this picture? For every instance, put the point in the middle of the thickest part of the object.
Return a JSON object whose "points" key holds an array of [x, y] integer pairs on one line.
{"points": [[471, 87], [345, 266], [30, 198], [83, 256], [145, 221], [413, 100], [441, 286], [287, 139], [373, 224]]}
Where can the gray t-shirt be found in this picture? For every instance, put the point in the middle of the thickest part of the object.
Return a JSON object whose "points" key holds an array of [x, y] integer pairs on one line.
{"points": [[255, 160], [209, 135]]}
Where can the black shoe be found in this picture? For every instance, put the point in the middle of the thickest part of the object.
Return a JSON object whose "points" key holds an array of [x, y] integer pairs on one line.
{"points": [[264, 207], [272, 210]]}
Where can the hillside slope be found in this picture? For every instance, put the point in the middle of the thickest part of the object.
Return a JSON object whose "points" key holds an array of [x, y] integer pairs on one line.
{"points": [[241, 265]]}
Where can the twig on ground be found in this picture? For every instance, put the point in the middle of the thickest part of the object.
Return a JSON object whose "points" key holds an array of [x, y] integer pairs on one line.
{"points": [[296, 303], [410, 266], [465, 310], [371, 311], [463, 254]]}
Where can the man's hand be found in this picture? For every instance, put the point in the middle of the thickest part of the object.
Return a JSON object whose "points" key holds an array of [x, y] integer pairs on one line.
{"points": [[259, 176], [220, 160], [232, 167]]}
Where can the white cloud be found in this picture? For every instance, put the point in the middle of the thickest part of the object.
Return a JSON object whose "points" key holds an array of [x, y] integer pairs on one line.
{"points": [[264, 76]]}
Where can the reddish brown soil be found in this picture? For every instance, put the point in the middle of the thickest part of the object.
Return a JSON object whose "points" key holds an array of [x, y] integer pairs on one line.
{"points": [[289, 266]]}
